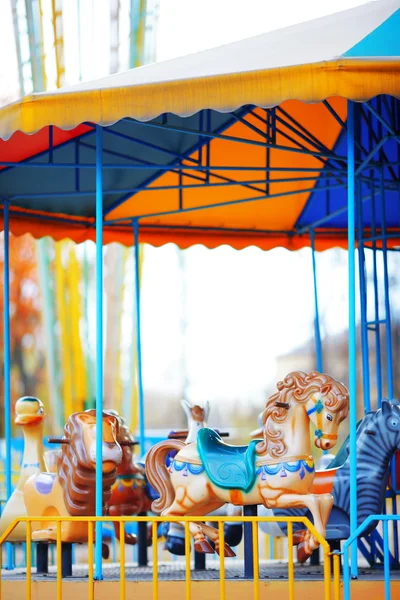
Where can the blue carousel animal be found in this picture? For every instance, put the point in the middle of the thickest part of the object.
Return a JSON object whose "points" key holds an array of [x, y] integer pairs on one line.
{"points": [[378, 438]]}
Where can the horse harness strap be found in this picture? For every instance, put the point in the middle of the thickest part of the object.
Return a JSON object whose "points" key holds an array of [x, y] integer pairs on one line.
{"points": [[286, 459], [318, 408]]}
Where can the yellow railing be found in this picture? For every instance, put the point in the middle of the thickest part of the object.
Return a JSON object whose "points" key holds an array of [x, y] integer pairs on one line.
{"points": [[155, 521]]}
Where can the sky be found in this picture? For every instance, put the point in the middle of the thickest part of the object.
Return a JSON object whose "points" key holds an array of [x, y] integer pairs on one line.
{"points": [[187, 26], [242, 309]]}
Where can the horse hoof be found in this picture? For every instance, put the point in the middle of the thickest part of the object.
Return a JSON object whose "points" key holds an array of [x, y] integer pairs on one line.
{"points": [[228, 552], [303, 552], [299, 536], [203, 546], [105, 551]]}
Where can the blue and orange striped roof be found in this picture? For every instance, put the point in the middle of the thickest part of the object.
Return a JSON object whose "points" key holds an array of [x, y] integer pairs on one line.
{"points": [[240, 145]]}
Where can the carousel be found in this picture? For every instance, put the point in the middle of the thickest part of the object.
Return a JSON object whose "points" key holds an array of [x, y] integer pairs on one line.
{"points": [[289, 139]]}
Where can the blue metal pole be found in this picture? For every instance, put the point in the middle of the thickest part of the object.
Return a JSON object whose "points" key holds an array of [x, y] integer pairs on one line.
{"points": [[318, 344], [363, 305], [135, 225], [386, 560], [7, 365], [99, 347], [389, 358], [352, 329]]}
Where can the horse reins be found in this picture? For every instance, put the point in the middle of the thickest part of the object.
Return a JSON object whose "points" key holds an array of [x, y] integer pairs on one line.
{"points": [[318, 408]]}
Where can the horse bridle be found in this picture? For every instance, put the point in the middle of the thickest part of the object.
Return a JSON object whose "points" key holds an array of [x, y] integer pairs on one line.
{"points": [[319, 408]]}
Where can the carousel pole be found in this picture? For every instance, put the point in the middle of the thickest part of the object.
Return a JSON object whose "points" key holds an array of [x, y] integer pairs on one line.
{"points": [[135, 225], [99, 348], [352, 330], [318, 344], [142, 527], [7, 365]]}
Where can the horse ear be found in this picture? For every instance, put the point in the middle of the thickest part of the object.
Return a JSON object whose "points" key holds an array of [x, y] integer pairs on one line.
{"points": [[386, 406], [186, 405]]}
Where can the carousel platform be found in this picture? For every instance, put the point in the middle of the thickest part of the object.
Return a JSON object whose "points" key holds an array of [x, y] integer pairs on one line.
{"points": [[175, 571], [171, 576]]}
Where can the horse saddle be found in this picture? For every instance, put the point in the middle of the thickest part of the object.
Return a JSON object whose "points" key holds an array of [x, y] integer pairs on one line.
{"points": [[228, 467]]}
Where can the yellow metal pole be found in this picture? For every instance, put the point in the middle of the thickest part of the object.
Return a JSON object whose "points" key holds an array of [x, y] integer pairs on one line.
{"points": [[28, 562], [140, 33], [57, 18], [327, 569], [155, 559], [336, 576], [290, 561], [78, 359], [59, 562], [122, 561], [90, 560], [221, 560], [64, 332], [256, 565], [187, 562]]}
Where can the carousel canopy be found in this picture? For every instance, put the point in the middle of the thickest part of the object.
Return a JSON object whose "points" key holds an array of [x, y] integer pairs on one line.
{"points": [[243, 144]]}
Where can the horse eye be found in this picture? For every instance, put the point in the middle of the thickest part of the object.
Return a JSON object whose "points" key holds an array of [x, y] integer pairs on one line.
{"points": [[394, 423], [329, 417]]}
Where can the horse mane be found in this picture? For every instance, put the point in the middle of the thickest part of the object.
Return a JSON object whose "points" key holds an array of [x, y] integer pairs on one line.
{"points": [[298, 386], [76, 473]]}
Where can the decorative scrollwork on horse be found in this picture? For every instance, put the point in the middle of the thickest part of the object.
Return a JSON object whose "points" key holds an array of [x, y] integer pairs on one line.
{"points": [[298, 386]]}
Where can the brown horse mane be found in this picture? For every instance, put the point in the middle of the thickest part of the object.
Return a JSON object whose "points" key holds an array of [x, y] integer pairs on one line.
{"points": [[76, 472], [298, 386]]}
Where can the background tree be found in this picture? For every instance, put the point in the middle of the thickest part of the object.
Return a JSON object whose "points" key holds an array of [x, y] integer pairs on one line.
{"points": [[26, 340]]}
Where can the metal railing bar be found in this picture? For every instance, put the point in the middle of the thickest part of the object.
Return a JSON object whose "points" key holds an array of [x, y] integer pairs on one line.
{"points": [[122, 561], [90, 560], [59, 562], [154, 527], [336, 576], [28, 559], [187, 562], [290, 560], [256, 566]]}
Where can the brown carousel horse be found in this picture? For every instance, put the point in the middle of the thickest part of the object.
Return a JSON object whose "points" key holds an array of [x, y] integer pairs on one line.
{"points": [[128, 493], [277, 471], [70, 491]]}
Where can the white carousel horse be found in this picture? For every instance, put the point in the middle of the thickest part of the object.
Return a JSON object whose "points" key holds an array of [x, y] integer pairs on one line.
{"points": [[276, 472], [197, 418]]}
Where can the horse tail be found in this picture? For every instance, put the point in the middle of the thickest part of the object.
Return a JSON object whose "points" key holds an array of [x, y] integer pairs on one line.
{"points": [[158, 475]]}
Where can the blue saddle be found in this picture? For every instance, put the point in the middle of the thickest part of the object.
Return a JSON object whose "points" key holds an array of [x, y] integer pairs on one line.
{"points": [[228, 467]]}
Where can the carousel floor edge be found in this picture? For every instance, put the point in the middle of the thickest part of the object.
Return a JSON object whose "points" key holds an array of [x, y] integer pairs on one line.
{"points": [[176, 572]]}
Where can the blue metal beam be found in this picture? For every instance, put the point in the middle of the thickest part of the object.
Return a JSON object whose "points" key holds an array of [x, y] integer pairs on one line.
{"points": [[181, 186], [99, 349], [352, 329], [201, 141], [145, 165], [228, 138], [317, 331], [12, 165], [221, 204], [7, 366]]}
